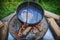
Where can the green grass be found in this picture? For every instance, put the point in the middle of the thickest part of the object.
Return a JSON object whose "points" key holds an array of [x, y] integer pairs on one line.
{"points": [[51, 5], [7, 8]]}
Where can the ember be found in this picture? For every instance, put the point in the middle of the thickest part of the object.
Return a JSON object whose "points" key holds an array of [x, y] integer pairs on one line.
{"points": [[25, 30]]}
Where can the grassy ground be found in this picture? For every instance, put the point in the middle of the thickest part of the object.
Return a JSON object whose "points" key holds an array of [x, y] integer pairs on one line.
{"points": [[51, 5], [7, 8]]}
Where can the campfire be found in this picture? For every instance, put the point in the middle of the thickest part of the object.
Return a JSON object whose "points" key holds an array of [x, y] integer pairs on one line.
{"points": [[25, 30], [28, 23]]}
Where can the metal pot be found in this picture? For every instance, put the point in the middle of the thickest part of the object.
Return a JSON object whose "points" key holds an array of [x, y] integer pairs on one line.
{"points": [[30, 13]]}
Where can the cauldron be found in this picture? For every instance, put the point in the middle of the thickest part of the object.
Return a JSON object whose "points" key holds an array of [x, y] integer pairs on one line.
{"points": [[30, 13]]}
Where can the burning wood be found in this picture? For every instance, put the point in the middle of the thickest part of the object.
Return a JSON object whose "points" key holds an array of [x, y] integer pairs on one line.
{"points": [[20, 30], [26, 30], [19, 34], [39, 27]]}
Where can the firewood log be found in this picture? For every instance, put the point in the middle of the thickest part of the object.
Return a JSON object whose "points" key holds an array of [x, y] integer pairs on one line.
{"points": [[1, 24], [26, 30], [52, 15], [55, 27], [4, 31]]}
